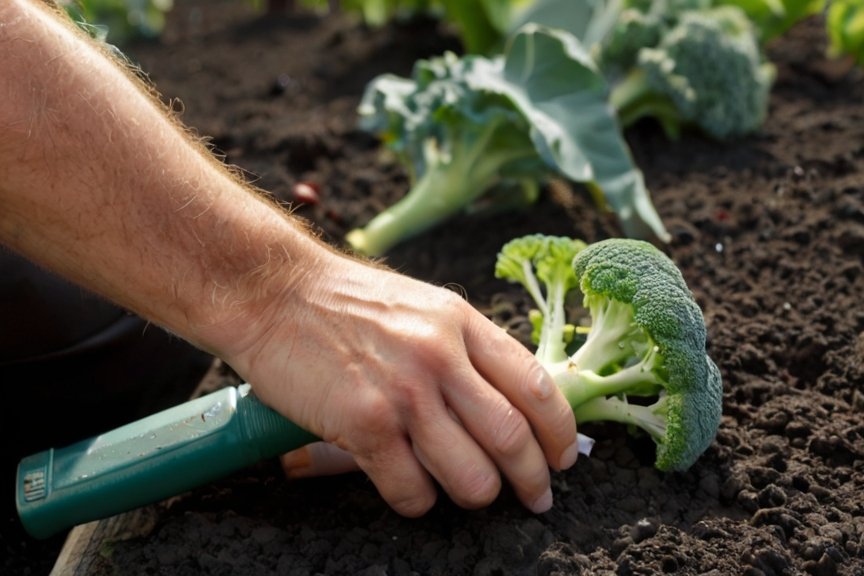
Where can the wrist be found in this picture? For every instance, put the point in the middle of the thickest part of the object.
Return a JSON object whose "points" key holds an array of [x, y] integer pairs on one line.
{"points": [[241, 308]]}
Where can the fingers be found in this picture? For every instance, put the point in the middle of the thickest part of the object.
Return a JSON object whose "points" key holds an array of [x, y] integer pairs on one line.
{"points": [[400, 479], [523, 422], [317, 459], [514, 371], [454, 458], [518, 426], [506, 437], [432, 443], [379, 441]]}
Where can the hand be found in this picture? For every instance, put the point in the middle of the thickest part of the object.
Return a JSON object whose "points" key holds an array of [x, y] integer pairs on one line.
{"points": [[413, 383]]}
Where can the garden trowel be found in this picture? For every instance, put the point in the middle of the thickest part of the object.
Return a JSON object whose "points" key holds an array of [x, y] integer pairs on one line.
{"points": [[151, 459]]}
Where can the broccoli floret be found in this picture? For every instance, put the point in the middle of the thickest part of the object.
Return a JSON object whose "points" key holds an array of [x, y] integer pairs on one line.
{"points": [[706, 71], [640, 24], [646, 342], [633, 31], [531, 260]]}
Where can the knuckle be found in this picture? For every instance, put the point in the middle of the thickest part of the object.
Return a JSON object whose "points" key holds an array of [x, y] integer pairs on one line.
{"points": [[440, 344], [477, 489], [375, 415], [452, 299], [411, 396], [511, 432], [414, 505]]}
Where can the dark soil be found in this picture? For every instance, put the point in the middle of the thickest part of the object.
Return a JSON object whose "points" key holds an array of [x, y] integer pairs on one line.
{"points": [[768, 231]]}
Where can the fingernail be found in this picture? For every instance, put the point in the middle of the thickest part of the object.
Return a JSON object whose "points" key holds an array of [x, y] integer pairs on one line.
{"points": [[296, 464], [569, 456], [543, 503], [543, 386]]}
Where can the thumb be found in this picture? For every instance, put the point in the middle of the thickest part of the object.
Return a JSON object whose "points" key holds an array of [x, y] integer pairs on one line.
{"points": [[317, 459]]}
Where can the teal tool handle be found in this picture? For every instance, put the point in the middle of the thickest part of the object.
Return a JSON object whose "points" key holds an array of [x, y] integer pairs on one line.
{"points": [[149, 460]]}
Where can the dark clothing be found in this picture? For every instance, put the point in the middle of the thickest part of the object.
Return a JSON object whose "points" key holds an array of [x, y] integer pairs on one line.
{"points": [[73, 365]]}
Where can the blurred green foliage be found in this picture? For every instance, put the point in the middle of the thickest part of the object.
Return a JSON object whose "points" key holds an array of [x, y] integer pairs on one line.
{"points": [[119, 21], [845, 21]]}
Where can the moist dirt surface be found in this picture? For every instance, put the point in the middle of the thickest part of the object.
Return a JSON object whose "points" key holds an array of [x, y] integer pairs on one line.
{"points": [[768, 232]]}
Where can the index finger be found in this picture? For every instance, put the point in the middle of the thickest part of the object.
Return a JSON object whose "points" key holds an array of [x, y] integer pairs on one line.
{"points": [[518, 375]]}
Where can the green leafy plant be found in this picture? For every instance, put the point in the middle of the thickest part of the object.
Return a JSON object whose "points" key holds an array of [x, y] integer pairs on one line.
{"points": [[643, 362], [845, 23], [484, 25], [119, 21], [378, 12], [474, 21], [773, 18], [475, 127]]}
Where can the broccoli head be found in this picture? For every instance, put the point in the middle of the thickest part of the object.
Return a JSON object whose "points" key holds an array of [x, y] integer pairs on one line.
{"points": [[640, 24], [706, 71], [643, 362]]}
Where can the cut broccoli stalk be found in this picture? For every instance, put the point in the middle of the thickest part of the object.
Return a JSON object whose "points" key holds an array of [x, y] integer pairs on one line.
{"points": [[452, 180], [646, 341]]}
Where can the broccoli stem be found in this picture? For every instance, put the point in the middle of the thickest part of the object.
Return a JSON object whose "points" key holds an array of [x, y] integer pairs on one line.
{"points": [[449, 185], [580, 386], [608, 341], [533, 288], [552, 348], [616, 358], [425, 205], [649, 418], [633, 98]]}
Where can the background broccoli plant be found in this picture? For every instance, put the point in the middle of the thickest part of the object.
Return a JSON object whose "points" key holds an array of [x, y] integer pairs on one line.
{"points": [[466, 127], [700, 67], [643, 362]]}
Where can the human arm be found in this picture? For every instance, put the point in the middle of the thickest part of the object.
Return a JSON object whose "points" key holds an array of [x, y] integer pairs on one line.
{"points": [[99, 185]]}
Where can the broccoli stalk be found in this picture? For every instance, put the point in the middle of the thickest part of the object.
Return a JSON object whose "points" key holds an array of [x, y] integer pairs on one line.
{"points": [[643, 362], [634, 98], [453, 178]]}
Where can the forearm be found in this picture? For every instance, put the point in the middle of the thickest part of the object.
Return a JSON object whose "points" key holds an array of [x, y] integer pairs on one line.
{"points": [[98, 184]]}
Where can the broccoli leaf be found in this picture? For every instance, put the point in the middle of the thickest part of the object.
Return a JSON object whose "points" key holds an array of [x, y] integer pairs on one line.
{"points": [[590, 21], [552, 79]]}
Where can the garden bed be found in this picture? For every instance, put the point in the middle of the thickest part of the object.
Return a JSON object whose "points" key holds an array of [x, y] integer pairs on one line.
{"points": [[768, 232]]}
